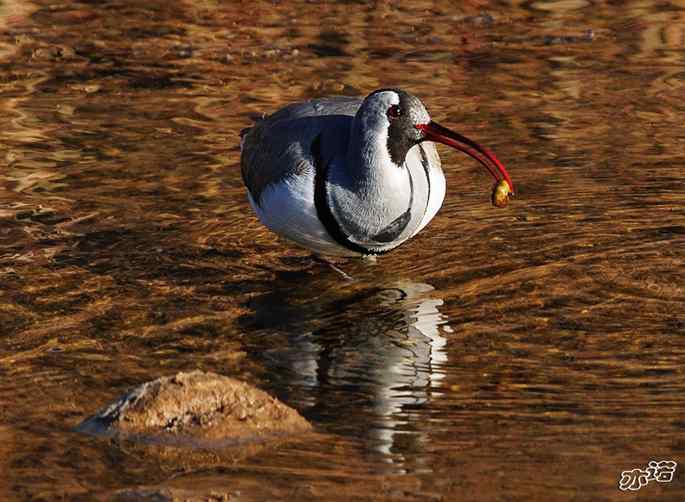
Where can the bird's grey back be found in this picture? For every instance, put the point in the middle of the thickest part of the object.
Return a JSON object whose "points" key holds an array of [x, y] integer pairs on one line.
{"points": [[333, 105], [279, 145]]}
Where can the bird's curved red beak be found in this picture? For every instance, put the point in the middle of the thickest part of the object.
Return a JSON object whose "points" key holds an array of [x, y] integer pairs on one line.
{"points": [[435, 132]]}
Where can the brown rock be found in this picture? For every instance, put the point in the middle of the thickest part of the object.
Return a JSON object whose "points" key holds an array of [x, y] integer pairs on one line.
{"points": [[169, 495], [196, 409]]}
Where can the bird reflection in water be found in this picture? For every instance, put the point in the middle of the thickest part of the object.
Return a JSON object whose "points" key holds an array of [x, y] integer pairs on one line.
{"points": [[360, 362]]}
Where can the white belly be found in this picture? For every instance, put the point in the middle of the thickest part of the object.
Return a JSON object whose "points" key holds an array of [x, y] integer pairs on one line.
{"points": [[287, 209]]}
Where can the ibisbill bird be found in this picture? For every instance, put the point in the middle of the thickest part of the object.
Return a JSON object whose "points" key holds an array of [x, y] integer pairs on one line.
{"points": [[345, 176]]}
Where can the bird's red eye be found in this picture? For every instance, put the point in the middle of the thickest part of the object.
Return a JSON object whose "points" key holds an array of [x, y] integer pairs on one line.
{"points": [[394, 112]]}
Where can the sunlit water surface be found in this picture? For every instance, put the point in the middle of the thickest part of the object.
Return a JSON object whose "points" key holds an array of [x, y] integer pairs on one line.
{"points": [[526, 353]]}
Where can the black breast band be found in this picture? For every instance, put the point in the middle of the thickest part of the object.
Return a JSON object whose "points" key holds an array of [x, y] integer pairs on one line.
{"points": [[323, 210]]}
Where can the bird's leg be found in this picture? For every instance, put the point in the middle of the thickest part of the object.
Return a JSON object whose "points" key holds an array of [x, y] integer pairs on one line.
{"points": [[329, 262]]}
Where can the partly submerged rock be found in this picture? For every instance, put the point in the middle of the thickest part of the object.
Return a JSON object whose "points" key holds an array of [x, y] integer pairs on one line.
{"points": [[170, 495], [196, 409]]}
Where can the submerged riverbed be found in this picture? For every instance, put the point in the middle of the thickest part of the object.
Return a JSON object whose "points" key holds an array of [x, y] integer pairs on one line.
{"points": [[522, 353]]}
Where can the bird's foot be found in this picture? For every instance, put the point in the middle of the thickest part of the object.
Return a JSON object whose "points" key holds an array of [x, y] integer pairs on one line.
{"points": [[332, 265]]}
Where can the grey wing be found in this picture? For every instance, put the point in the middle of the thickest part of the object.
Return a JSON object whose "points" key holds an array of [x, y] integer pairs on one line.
{"points": [[333, 105], [280, 145]]}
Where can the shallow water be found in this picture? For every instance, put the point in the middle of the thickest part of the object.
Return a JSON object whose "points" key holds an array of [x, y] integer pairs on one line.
{"points": [[528, 353]]}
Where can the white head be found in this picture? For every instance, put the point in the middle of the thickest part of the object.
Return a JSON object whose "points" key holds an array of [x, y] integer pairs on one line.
{"points": [[393, 115]]}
